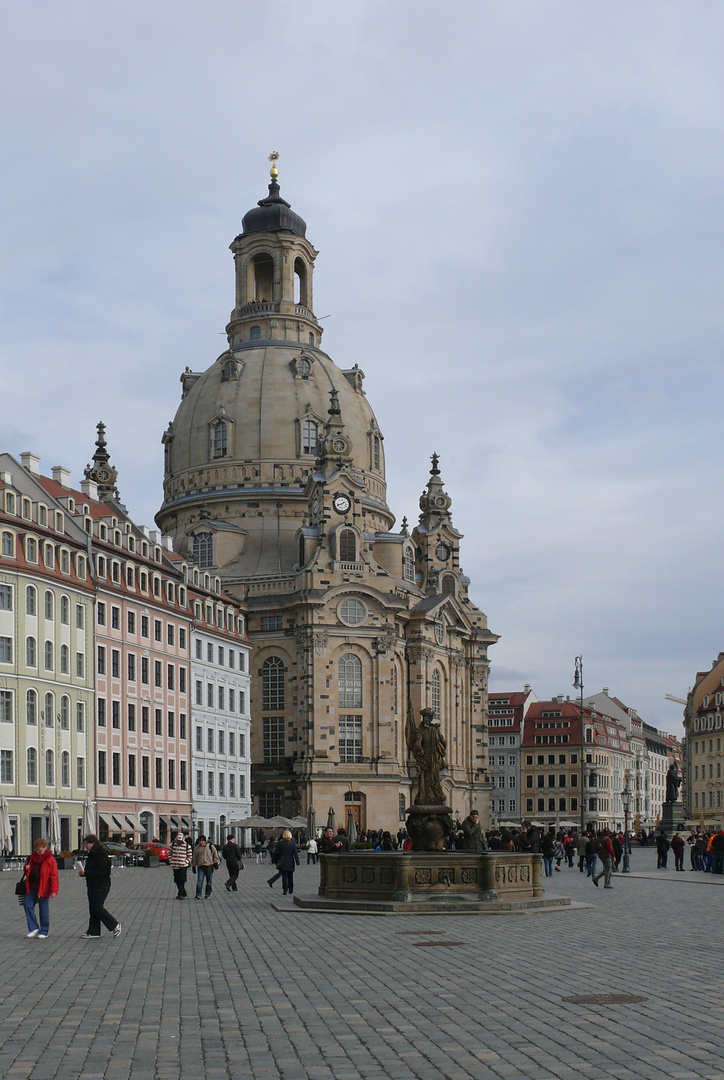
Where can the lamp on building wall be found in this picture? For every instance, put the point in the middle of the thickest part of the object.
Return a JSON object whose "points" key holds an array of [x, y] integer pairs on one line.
{"points": [[626, 800], [578, 684], [194, 819]]}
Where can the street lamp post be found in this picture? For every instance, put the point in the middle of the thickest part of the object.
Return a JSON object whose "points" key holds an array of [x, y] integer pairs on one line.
{"points": [[626, 800], [194, 819], [578, 684]]}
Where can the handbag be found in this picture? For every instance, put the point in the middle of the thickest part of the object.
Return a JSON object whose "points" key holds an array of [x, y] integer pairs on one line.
{"points": [[20, 889], [279, 863]]}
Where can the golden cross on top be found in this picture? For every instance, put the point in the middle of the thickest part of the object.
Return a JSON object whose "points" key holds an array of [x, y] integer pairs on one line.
{"points": [[274, 157]]}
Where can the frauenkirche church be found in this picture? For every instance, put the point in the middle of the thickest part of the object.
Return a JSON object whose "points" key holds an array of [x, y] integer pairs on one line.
{"points": [[275, 480]]}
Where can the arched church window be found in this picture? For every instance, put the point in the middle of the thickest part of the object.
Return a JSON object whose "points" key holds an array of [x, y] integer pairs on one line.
{"points": [[300, 282], [255, 333], [309, 434], [219, 435], [375, 451], [347, 546], [263, 277], [204, 549], [228, 371], [448, 585], [301, 551], [349, 672], [272, 684], [435, 694], [408, 564]]}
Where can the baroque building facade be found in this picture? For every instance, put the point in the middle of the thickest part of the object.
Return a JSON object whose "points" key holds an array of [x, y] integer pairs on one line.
{"points": [[275, 481]]}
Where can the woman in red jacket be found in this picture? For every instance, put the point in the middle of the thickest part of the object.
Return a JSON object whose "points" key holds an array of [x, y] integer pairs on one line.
{"points": [[41, 884]]}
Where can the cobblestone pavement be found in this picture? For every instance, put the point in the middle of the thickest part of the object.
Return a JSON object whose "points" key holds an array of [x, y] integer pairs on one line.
{"points": [[233, 987]]}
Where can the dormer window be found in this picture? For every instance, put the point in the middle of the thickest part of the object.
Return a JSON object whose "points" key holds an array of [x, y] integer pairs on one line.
{"points": [[408, 564], [9, 502], [203, 550], [309, 437], [219, 439]]}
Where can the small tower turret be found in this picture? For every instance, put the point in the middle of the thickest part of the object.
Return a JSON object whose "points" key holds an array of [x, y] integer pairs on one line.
{"points": [[101, 471]]}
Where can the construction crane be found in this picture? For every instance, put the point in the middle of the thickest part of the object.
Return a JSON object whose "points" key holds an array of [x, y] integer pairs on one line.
{"points": [[678, 700]]}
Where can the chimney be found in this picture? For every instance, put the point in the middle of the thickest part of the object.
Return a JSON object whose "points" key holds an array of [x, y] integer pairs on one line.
{"points": [[155, 536], [90, 488], [30, 462], [61, 475], [526, 688], [168, 543], [604, 690]]}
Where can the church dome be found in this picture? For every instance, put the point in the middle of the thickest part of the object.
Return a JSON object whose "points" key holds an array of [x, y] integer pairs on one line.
{"points": [[273, 214]]}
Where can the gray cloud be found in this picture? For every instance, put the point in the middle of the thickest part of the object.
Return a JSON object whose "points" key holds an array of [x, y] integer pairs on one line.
{"points": [[519, 220]]}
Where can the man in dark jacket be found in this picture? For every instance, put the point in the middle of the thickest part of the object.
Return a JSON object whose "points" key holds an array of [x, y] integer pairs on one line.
{"points": [[232, 854], [662, 850], [97, 874], [474, 837]]}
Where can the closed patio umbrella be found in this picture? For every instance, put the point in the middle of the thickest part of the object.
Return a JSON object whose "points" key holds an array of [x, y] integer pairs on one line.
{"points": [[89, 818], [6, 832], [352, 833], [311, 823], [331, 818], [54, 828]]}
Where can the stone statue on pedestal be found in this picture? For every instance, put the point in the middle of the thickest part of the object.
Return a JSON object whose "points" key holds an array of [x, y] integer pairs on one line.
{"points": [[673, 783], [429, 821]]}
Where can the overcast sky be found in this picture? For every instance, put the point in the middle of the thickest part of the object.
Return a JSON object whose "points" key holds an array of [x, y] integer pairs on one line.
{"points": [[518, 208]]}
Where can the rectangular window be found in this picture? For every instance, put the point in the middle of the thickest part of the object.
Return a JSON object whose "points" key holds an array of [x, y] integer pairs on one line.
{"points": [[209, 652], [221, 661], [171, 725], [232, 786], [131, 716], [116, 766], [271, 622], [102, 778], [131, 622], [221, 744], [221, 785], [242, 702], [170, 635], [199, 649], [221, 697], [182, 725], [80, 716], [529, 806], [159, 772], [145, 723], [232, 700], [115, 618], [210, 783], [511, 781], [231, 658], [242, 786], [182, 775], [101, 613], [131, 667], [199, 782], [116, 714], [101, 706], [157, 630], [350, 738], [6, 598], [80, 772], [157, 673], [131, 770], [182, 680], [232, 744], [80, 665], [171, 774], [182, 638], [101, 660], [562, 780], [199, 692], [144, 670], [210, 740], [6, 650], [171, 677], [159, 722], [210, 695], [144, 633], [199, 739], [242, 745], [145, 772], [7, 775], [242, 662]]}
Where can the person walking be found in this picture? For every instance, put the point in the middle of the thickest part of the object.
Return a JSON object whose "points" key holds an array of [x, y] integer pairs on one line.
{"points": [[204, 861], [179, 859], [581, 848], [287, 857], [41, 885], [547, 846], [593, 846], [311, 851], [606, 854], [233, 856], [97, 874]]}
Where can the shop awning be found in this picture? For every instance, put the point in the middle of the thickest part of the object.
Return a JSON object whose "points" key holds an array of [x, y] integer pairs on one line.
{"points": [[108, 820], [133, 822]]}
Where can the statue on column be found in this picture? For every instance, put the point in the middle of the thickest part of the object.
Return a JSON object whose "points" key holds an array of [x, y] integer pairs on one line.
{"points": [[673, 783], [426, 743]]}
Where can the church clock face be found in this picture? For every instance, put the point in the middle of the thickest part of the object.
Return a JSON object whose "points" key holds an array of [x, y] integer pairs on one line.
{"points": [[103, 475], [339, 446], [341, 503]]}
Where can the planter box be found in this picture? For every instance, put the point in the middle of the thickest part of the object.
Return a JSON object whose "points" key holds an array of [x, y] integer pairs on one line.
{"points": [[151, 860], [65, 863]]}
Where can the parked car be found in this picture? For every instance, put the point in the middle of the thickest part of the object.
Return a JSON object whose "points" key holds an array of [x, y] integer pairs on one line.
{"points": [[129, 856], [161, 850]]}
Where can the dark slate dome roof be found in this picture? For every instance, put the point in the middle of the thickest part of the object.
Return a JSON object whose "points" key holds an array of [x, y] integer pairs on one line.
{"points": [[273, 214]]}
